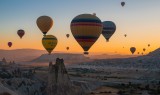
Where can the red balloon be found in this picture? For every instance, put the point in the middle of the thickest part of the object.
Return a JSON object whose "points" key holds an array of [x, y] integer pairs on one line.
{"points": [[9, 44], [20, 33]]}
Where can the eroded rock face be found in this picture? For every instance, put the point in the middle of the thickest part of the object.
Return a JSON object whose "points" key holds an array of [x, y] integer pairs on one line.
{"points": [[59, 82], [6, 91], [24, 86]]}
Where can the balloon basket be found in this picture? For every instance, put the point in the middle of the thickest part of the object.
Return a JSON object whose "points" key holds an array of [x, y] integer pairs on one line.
{"points": [[86, 53]]}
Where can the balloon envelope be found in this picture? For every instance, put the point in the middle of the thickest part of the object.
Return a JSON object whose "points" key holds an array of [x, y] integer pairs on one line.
{"points": [[20, 33], [49, 42], [86, 29], [132, 49], [144, 49], [9, 44], [122, 3], [67, 35], [125, 35], [108, 29], [44, 23], [67, 48]]}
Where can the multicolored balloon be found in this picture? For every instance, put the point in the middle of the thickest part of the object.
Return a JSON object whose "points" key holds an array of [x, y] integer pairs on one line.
{"points": [[132, 49], [49, 42], [86, 29], [122, 3], [108, 29], [10, 44], [44, 23], [20, 33]]}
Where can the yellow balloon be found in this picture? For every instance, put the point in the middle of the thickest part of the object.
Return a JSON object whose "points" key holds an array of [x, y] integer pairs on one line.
{"points": [[44, 23], [49, 42]]}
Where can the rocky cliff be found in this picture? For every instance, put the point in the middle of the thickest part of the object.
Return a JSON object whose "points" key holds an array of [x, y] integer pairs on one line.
{"points": [[59, 82]]}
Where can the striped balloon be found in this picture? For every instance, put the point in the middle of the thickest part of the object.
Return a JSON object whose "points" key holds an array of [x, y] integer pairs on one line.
{"points": [[108, 29], [86, 29], [49, 42], [44, 23]]}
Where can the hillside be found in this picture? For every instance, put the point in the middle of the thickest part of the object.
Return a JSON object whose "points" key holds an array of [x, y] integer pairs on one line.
{"points": [[68, 57], [19, 55], [150, 61]]}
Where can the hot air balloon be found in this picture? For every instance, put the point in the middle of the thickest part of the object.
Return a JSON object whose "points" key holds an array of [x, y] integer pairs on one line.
{"points": [[122, 3], [125, 35], [20, 33], [108, 29], [67, 35], [94, 14], [49, 42], [86, 29], [132, 49], [44, 23], [148, 45], [138, 53], [144, 49], [67, 48], [9, 44]]}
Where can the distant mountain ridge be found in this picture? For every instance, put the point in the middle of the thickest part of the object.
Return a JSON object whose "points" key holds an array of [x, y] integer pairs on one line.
{"points": [[68, 57], [34, 55], [155, 53], [19, 55], [149, 61]]}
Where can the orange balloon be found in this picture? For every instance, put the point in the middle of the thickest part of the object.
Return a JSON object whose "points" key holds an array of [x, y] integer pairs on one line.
{"points": [[44, 23]]}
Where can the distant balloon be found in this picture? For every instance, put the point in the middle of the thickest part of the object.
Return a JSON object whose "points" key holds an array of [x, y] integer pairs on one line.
{"points": [[138, 53], [86, 29], [122, 3], [125, 35], [108, 29], [9, 44], [67, 48], [144, 49], [20, 33], [49, 42], [94, 14], [67, 35], [132, 49], [148, 45], [44, 23]]}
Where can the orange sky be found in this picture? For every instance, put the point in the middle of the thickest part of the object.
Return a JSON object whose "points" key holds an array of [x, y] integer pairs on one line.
{"points": [[136, 19]]}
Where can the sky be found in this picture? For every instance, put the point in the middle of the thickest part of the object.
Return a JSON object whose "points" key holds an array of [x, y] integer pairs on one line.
{"points": [[139, 19]]}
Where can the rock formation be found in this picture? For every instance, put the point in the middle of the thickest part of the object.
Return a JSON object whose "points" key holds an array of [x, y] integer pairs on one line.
{"points": [[59, 82]]}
